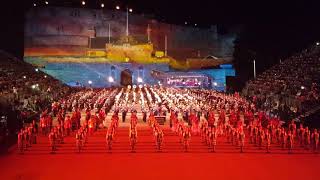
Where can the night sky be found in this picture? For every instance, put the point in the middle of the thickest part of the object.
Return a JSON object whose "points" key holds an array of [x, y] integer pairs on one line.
{"points": [[206, 12], [288, 24]]}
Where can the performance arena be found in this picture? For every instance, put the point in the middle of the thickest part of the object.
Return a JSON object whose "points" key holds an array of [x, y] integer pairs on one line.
{"points": [[104, 91]]}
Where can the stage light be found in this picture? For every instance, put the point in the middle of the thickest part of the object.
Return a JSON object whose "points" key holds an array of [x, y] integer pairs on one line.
{"points": [[186, 23], [134, 86], [117, 7], [24, 77], [45, 76], [33, 86], [318, 43], [111, 79], [215, 84], [89, 82], [195, 24], [130, 10], [46, 2], [102, 5], [140, 80], [83, 3], [140, 86], [34, 4], [36, 69], [302, 87]]}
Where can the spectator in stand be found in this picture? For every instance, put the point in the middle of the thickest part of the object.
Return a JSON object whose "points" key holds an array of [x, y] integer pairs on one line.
{"points": [[25, 90], [288, 88]]}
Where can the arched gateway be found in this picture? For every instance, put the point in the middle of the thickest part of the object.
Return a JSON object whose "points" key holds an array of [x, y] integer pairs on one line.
{"points": [[126, 77]]}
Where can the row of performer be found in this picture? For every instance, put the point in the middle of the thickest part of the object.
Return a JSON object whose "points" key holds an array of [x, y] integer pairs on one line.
{"points": [[257, 135]]}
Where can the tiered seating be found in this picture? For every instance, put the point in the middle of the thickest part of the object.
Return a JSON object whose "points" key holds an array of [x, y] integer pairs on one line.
{"points": [[25, 87], [291, 86], [24, 91]]}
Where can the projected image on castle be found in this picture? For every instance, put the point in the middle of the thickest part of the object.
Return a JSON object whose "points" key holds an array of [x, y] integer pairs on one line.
{"points": [[109, 48]]}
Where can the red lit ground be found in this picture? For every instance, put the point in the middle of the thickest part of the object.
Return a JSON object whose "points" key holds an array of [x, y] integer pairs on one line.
{"points": [[95, 162]]}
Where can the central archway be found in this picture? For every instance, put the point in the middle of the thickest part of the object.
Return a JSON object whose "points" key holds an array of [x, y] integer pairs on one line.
{"points": [[126, 77]]}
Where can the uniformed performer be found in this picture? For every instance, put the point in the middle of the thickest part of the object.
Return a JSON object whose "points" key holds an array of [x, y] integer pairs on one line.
{"points": [[315, 140], [186, 137], [268, 141], [21, 141], [242, 139], [133, 137]]}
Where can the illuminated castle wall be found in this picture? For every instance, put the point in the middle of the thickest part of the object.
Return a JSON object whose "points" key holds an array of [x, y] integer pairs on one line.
{"points": [[98, 73], [66, 31]]}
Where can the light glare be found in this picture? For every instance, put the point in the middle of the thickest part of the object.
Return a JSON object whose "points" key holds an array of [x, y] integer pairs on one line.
{"points": [[140, 80], [111, 79]]}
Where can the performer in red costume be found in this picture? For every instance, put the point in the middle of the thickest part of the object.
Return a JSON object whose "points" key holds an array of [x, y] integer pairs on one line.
{"points": [[48, 122], [211, 119], [307, 138], [186, 138], [67, 125], [60, 117], [21, 141], [222, 117], [43, 125], [242, 139], [91, 125], [194, 122], [88, 115], [289, 142], [315, 140], [52, 140], [102, 115], [134, 119], [133, 135], [268, 141]]}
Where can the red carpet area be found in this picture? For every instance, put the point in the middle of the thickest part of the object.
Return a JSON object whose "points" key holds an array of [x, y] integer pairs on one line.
{"points": [[96, 162]]}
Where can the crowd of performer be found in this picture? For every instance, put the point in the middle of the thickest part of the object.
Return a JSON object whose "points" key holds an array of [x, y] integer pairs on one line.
{"points": [[27, 136], [213, 116]]}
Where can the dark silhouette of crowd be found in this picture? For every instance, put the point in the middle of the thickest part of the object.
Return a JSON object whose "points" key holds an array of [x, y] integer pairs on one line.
{"points": [[290, 88]]}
